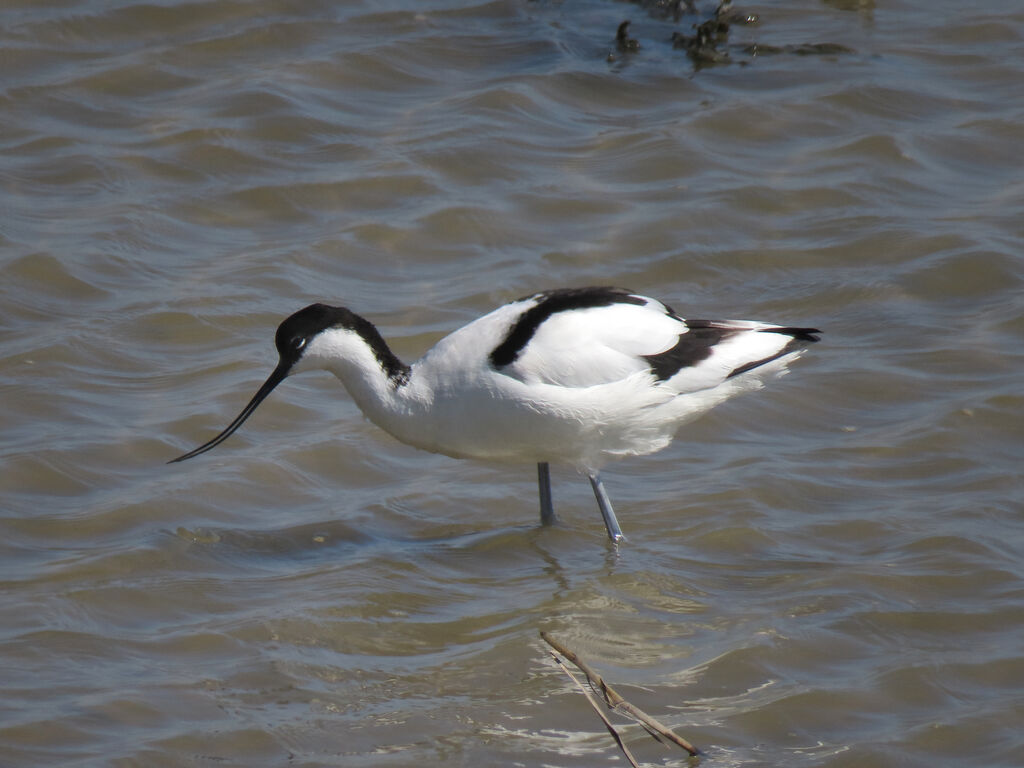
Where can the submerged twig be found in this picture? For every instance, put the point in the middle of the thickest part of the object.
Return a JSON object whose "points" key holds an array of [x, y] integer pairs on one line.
{"points": [[615, 702], [604, 719]]}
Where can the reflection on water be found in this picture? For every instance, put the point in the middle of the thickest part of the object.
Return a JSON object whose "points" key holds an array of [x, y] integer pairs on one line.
{"points": [[825, 574]]}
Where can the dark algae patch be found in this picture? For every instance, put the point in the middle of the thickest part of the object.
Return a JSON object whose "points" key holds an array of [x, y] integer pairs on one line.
{"points": [[705, 40], [623, 41]]}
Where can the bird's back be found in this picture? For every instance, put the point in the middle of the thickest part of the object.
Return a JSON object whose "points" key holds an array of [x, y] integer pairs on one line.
{"points": [[583, 375]]}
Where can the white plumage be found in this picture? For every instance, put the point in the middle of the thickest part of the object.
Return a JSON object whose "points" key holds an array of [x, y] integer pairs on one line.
{"points": [[572, 376]]}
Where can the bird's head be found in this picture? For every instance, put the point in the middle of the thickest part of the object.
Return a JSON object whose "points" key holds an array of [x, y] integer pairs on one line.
{"points": [[302, 344]]}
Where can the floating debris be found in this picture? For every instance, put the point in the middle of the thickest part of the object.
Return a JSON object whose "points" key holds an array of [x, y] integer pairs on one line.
{"points": [[710, 39], [804, 49], [614, 702], [198, 535], [623, 41], [727, 14], [703, 46]]}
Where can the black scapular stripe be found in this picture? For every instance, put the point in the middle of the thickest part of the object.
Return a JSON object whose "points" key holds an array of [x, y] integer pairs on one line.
{"points": [[550, 303]]}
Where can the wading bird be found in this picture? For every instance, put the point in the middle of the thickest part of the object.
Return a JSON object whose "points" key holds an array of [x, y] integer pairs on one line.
{"points": [[575, 376]]}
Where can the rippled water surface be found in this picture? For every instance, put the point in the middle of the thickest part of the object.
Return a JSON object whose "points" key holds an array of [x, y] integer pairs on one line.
{"points": [[826, 573]]}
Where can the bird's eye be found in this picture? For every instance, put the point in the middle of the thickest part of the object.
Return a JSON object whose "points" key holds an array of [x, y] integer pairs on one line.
{"points": [[298, 343]]}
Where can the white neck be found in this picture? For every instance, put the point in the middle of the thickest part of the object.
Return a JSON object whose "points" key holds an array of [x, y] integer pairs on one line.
{"points": [[396, 401]]}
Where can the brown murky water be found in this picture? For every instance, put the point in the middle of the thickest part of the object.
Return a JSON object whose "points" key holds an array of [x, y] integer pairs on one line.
{"points": [[827, 573]]}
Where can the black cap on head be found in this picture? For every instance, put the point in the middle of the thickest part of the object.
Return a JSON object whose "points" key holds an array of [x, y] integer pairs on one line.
{"points": [[291, 339], [297, 330]]}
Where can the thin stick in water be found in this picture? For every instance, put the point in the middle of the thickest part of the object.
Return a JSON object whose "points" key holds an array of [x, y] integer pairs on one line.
{"points": [[616, 702], [604, 719]]}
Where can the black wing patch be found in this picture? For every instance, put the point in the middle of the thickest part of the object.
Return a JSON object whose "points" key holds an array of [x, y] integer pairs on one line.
{"points": [[696, 345], [550, 303], [693, 346]]}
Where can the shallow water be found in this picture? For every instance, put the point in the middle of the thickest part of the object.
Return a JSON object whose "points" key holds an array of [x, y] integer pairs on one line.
{"points": [[827, 573]]}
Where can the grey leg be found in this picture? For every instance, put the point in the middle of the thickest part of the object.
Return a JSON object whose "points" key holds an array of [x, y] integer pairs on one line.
{"points": [[614, 532], [547, 511]]}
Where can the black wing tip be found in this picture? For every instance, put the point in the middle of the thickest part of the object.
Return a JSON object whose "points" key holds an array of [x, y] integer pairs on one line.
{"points": [[799, 334]]}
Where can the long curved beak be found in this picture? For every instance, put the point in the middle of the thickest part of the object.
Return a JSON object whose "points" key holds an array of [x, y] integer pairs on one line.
{"points": [[280, 374]]}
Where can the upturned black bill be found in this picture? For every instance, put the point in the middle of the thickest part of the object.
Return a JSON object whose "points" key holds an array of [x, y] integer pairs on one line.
{"points": [[280, 374]]}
